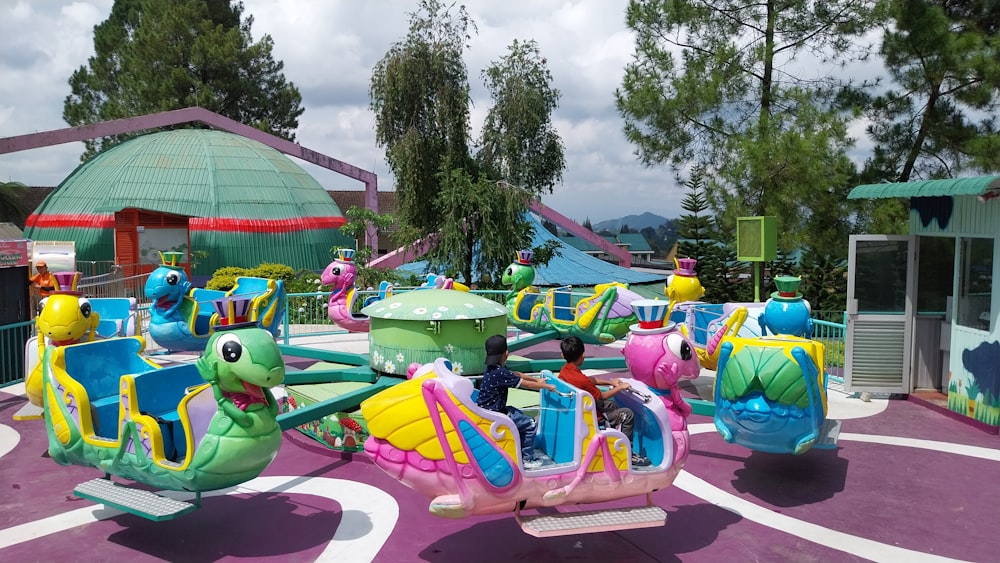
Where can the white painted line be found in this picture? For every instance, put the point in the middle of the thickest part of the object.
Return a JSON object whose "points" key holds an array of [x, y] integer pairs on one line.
{"points": [[855, 545], [10, 438], [947, 447], [369, 514]]}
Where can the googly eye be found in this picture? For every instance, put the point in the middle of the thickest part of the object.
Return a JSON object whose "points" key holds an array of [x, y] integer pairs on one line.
{"points": [[229, 348], [335, 271], [509, 272], [173, 278], [85, 307], [679, 346]]}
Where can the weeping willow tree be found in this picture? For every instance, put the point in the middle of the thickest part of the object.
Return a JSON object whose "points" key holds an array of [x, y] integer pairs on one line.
{"points": [[470, 207]]}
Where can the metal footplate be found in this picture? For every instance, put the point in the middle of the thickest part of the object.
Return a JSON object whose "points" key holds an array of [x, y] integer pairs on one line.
{"points": [[134, 501], [569, 523], [828, 434], [29, 412]]}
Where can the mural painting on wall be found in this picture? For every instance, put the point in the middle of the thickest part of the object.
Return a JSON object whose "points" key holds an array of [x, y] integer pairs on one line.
{"points": [[152, 241], [977, 394]]}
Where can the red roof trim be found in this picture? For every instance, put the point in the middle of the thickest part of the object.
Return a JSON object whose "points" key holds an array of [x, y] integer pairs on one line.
{"points": [[76, 220], [219, 224], [228, 224]]}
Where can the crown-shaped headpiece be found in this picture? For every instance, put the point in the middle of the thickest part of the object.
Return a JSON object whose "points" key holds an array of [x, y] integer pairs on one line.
{"points": [[788, 288], [171, 260], [65, 282], [524, 257], [234, 312], [652, 314], [685, 267]]}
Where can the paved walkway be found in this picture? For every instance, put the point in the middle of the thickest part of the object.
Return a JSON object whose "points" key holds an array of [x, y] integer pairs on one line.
{"points": [[905, 484]]}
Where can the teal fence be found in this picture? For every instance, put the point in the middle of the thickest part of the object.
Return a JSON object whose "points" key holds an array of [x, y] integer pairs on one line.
{"points": [[306, 315]]}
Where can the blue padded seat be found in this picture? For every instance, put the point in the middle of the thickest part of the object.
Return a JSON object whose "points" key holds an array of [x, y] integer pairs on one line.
{"points": [[159, 392]]}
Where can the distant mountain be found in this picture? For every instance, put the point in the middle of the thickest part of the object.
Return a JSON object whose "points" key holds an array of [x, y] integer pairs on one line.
{"points": [[635, 223]]}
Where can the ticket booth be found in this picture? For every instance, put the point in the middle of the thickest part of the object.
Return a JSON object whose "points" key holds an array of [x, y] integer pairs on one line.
{"points": [[15, 306], [922, 308]]}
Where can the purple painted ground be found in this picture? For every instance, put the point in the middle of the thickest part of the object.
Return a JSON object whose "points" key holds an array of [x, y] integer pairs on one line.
{"points": [[913, 498]]}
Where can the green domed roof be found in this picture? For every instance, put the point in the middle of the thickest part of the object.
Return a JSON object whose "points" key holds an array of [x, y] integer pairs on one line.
{"points": [[248, 202], [435, 305]]}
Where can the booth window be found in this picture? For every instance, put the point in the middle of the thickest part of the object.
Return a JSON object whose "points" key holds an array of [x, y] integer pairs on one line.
{"points": [[976, 283]]}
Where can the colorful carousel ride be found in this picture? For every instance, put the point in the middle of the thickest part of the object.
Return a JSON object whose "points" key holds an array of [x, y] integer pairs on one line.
{"points": [[429, 433], [187, 427], [600, 317], [182, 318]]}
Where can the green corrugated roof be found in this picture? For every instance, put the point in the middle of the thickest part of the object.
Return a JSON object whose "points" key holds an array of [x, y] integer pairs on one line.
{"points": [[205, 174], [193, 172], [635, 241], [927, 188]]}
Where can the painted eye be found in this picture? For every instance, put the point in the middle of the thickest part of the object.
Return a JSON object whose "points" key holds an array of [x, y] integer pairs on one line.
{"points": [[509, 272], [229, 347], [85, 307], [173, 278], [335, 271], [41, 304], [679, 346]]}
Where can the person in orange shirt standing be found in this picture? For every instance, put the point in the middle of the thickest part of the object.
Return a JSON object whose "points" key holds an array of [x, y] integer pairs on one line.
{"points": [[42, 284]]}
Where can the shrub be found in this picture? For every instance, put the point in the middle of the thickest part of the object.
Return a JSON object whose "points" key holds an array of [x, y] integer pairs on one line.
{"points": [[224, 278], [272, 272]]}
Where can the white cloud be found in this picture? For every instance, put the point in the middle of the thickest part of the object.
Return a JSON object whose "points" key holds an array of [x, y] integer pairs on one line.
{"points": [[329, 49]]}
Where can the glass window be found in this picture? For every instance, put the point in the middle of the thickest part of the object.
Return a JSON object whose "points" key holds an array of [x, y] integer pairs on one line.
{"points": [[976, 283], [936, 274]]}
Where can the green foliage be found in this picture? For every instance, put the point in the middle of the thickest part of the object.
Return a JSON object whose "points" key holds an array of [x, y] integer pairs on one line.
{"points": [[707, 87], [944, 59], [12, 202], [464, 206], [824, 281], [153, 56], [359, 221], [519, 142], [272, 271], [224, 279]]}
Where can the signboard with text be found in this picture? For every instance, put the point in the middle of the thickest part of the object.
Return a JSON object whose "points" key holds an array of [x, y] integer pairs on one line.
{"points": [[13, 253]]}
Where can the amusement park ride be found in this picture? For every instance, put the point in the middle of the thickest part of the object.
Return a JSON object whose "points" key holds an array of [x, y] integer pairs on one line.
{"points": [[214, 423]]}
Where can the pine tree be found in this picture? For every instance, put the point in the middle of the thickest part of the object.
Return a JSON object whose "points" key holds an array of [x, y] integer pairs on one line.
{"points": [[152, 56]]}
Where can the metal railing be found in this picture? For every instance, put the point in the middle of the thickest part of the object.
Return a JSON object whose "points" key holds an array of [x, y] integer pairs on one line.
{"points": [[306, 315]]}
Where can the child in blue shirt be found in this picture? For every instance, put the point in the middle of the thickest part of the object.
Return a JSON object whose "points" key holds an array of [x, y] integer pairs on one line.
{"points": [[493, 394]]}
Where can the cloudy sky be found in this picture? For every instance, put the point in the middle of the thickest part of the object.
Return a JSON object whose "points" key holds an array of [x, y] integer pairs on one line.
{"points": [[329, 49]]}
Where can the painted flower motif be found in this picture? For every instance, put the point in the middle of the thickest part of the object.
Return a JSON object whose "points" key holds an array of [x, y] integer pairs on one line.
{"points": [[419, 311], [390, 367], [435, 315], [470, 306], [387, 315], [400, 357], [449, 348], [457, 368], [396, 305], [442, 308], [460, 317], [377, 357]]}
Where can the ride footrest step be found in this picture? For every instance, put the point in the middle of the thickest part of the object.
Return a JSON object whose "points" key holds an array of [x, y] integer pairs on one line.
{"points": [[568, 523], [29, 412], [828, 434], [134, 501]]}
